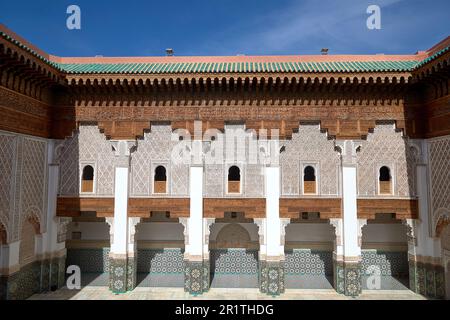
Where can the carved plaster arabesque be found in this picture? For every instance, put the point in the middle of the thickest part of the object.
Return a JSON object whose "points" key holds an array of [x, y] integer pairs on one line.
{"points": [[387, 146], [348, 150], [439, 177], [412, 225], [283, 224], [132, 223], [62, 224], [361, 224], [156, 147], [86, 145], [309, 145], [110, 222], [337, 224], [207, 223], [185, 223]]}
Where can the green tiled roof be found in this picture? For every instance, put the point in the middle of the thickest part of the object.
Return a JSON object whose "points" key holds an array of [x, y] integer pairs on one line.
{"points": [[432, 57], [238, 67], [34, 53], [232, 67]]}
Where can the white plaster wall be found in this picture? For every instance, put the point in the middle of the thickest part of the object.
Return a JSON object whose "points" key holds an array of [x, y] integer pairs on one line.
{"points": [[86, 146], [235, 151], [309, 146], [439, 177], [386, 146], [154, 150], [382, 233], [309, 232], [160, 231], [23, 182], [89, 230], [251, 228]]}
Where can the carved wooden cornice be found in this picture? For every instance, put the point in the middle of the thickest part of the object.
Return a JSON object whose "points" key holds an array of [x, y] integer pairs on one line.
{"points": [[143, 207], [251, 207], [328, 208], [402, 208], [73, 206]]}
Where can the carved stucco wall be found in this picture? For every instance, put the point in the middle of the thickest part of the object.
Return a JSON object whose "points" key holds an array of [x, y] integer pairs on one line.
{"points": [[386, 147], [237, 153], [439, 170], [310, 146], [88, 146], [155, 149], [23, 182]]}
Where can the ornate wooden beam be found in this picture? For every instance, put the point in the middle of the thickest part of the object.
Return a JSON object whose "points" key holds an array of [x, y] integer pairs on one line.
{"points": [[143, 207], [251, 207], [73, 206], [402, 208], [327, 207]]}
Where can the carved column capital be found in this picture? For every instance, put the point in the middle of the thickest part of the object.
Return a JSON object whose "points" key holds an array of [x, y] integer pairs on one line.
{"points": [[411, 230], [283, 224], [361, 224], [348, 149], [132, 223], [110, 222], [207, 223], [185, 223], [122, 150], [337, 224], [261, 224]]}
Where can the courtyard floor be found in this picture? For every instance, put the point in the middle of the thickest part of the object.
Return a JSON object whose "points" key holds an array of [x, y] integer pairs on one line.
{"points": [[148, 293]]}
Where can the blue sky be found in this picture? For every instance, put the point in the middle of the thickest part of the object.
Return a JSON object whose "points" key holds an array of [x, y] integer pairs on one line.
{"points": [[228, 27]]}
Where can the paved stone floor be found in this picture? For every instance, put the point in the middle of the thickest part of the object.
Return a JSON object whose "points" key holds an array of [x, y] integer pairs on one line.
{"points": [[146, 293], [313, 282]]}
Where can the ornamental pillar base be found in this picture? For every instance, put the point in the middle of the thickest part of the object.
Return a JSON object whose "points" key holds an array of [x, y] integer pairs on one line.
{"points": [[53, 273], [413, 276], [196, 276], [271, 277], [122, 274], [61, 272], [131, 272], [347, 278], [429, 279], [45, 276]]}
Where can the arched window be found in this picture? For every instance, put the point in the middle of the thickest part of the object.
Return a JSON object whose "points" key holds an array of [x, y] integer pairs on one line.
{"points": [[234, 180], [87, 179], [160, 180], [309, 180], [385, 180]]}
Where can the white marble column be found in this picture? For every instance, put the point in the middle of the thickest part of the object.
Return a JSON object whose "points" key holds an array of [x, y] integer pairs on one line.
{"points": [[122, 266], [424, 248], [271, 232], [195, 227], [348, 278], [196, 256], [56, 245]]}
